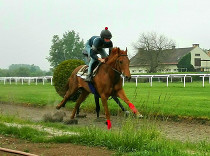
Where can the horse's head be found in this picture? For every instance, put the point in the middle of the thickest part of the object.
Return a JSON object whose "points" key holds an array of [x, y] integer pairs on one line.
{"points": [[121, 62]]}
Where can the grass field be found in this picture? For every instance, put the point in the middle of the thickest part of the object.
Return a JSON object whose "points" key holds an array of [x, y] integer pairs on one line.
{"points": [[173, 101]]}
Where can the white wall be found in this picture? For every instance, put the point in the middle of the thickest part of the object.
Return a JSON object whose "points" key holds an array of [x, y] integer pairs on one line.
{"points": [[138, 69], [203, 56], [161, 69]]}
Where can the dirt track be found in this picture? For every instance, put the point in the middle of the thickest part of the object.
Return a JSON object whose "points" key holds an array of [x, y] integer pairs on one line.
{"points": [[183, 131]]}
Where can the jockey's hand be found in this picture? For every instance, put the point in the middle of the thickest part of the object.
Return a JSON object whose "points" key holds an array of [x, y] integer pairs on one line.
{"points": [[101, 60]]}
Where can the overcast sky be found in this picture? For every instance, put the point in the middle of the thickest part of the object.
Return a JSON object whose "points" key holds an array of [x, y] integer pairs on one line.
{"points": [[27, 26]]}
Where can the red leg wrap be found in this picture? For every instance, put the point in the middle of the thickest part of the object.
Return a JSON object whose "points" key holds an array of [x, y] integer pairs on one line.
{"points": [[109, 125], [133, 108]]}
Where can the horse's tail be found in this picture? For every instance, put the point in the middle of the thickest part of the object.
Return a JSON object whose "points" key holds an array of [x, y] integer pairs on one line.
{"points": [[75, 96]]}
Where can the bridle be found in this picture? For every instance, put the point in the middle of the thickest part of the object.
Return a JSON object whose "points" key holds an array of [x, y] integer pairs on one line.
{"points": [[116, 66]]}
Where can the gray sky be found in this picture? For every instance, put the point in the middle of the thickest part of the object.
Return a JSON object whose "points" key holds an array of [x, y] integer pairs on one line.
{"points": [[27, 26]]}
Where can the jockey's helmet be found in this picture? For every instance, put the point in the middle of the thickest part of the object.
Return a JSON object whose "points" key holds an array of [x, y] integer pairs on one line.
{"points": [[106, 33]]}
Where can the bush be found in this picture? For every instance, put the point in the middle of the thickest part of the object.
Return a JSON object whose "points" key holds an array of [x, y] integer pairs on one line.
{"points": [[185, 62], [61, 74]]}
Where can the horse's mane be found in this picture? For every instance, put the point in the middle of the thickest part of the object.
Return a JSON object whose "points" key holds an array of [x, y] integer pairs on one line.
{"points": [[115, 53]]}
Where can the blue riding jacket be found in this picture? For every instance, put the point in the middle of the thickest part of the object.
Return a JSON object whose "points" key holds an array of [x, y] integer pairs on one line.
{"points": [[97, 44]]}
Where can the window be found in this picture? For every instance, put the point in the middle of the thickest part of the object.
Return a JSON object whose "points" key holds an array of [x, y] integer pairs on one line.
{"points": [[133, 71], [140, 71], [197, 54], [197, 61]]}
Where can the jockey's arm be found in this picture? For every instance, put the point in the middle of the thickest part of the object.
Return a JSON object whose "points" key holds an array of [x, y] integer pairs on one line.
{"points": [[94, 56], [93, 53]]}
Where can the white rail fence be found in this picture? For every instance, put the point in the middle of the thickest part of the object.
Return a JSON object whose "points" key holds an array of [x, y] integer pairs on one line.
{"points": [[171, 76], [43, 79], [168, 77]]}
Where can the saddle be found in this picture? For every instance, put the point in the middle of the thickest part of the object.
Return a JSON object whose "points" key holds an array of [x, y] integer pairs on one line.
{"points": [[83, 71]]}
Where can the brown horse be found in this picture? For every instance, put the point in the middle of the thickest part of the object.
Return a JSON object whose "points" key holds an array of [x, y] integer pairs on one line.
{"points": [[107, 82]]}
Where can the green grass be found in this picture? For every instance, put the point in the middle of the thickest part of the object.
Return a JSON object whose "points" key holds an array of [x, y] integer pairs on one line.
{"points": [[129, 140], [173, 101], [37, 95]]}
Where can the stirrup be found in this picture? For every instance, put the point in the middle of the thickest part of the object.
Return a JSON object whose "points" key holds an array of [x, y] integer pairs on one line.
{"points": [[88, 78]]}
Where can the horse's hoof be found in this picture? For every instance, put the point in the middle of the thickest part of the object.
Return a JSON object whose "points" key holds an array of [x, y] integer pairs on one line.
{"points": [[58, 107], [71, 122], [127, 113], [81, 116]]}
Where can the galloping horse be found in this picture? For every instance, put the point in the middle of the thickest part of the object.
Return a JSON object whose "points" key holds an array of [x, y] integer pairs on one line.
{"points": [[107, 82]]}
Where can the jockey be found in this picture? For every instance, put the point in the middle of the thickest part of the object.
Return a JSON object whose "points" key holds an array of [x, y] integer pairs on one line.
{"points": [[95, 45]]}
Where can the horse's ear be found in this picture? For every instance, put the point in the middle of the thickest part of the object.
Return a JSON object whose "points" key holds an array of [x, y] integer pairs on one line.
{"points": [[118, 51], [126, 50]]}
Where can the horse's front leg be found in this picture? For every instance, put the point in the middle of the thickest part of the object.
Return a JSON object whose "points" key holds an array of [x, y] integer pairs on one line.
{"points": [[104, 102], [121, 94]]}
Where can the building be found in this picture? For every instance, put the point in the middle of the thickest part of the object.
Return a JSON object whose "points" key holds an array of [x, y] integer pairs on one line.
{"points": [[168, 60]]}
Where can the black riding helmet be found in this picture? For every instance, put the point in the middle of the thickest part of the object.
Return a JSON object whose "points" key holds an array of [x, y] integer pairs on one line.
{"points": [[106, 33]]}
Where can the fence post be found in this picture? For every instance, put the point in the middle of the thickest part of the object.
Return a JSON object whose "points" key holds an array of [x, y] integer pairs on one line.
{"points": [[51, 80], [167, 81], [136, 81], [29, 81], [151, 81]]}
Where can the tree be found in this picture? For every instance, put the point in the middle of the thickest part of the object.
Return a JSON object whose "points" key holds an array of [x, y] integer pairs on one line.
{"points": [[68, 47], [62, 73], [153, 45], [25, 70], [185, 62], [4, 72], [22, 71]]}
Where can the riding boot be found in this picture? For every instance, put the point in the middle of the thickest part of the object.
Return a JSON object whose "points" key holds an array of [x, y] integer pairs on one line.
{"points": [[88, 78]]}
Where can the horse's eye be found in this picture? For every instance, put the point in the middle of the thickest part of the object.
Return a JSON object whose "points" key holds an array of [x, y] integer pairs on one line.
{"points": [[120, 62]]}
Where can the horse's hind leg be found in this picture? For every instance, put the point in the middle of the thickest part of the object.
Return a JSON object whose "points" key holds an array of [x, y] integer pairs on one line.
{"points": [[118, 102], [81, 98], [97, 105], [68, 94], [65, 99]]}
